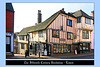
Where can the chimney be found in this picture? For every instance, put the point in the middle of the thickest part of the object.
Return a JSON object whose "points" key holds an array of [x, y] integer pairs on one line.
{"points": [[62, 9], [39, 17], [92, 13]]}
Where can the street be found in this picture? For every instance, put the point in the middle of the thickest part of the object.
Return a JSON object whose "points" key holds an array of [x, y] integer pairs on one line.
{"points": [[80, 57], [69, 56]]}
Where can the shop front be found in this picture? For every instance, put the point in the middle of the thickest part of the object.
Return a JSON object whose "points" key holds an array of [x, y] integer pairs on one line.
{"points": [[42, 48], [82, 47], [61, 48]]}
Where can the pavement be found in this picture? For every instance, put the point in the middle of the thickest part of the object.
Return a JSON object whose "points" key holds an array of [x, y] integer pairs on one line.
{"points": [[78, 56], [62, 56]]}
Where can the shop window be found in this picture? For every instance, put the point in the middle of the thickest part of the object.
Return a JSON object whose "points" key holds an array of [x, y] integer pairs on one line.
{"points": [[61, 48], [55, 33], [65, 49], [69, 35], [85, 34], [69, 22], [54, 48], [69, 48], [22, 46]]}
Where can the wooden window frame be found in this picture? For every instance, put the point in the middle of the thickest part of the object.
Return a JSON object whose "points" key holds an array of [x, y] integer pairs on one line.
{"points": [[69, 22], [84, 35], [71, 38], [22, 47], [56, 36]]}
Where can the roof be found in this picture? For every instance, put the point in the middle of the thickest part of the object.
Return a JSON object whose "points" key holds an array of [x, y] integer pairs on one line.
{"points": [[24, 31], [46, 23], [80, 13], [43, 25], [9, 7]]}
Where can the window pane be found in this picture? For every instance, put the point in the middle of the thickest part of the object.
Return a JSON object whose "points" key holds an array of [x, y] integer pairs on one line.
{"points": [[71, 36], [22, 46], [55, 33], [68, 35], [7, 40], [40, 33]]}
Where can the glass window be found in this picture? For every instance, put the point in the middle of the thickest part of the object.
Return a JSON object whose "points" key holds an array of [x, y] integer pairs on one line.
{"points": [[69, 22], [21, 37], [79, 20], [40, 33], [61, 48], [85, 34], [55, 33], [69, 35], [54, 48], [7, 40], [31, 36], [69, 48], [22, 46], [61, 27], [88, 21]]}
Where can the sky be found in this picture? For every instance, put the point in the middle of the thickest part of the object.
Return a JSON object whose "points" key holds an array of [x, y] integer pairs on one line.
{"points": [[26, 13]]}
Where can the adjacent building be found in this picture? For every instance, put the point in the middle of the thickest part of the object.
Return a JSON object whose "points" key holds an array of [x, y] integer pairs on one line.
{"points": [[92, 34], [62, 33], [85, 27], [9, 28]]}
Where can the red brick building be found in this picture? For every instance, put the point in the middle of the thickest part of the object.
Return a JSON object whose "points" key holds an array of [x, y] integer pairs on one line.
{"points": [[9, 28]]}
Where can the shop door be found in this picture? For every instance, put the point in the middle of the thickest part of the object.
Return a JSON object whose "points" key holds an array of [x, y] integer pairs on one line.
{"points": [[8, 44]]}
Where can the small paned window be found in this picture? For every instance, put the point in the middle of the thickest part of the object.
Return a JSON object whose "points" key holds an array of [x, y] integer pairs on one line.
{"points": [[55, 33], [69, 35], [22, 46], [88, 21], [21, 37], [61, 27], [85, 34], [40, 33], [79, 20], [69, 22]]}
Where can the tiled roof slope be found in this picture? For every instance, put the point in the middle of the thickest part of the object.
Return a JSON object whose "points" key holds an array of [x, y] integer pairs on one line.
{"points": [[80, 13], [24, 31], [45, 24]]}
